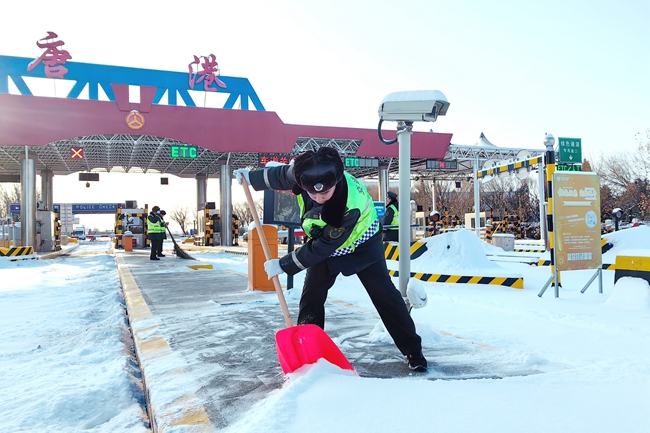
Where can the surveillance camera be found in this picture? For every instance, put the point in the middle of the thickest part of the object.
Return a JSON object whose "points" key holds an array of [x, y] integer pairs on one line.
{"points": [[549, 141], [87, 184], [414, 106], [617, 213]]}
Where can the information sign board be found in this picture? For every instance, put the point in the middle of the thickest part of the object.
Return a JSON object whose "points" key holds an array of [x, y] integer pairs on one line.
{"points": [[576, 220]]}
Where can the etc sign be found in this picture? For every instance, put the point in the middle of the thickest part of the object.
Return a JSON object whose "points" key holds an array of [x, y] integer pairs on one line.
{"points": [[183, 152]]}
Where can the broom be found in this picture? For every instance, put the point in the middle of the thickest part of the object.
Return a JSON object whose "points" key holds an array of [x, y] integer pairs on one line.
{"points": [[180, 253]]}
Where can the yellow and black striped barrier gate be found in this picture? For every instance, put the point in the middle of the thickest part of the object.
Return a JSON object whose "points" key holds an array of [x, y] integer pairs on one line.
{"points": [[391, 250], [209, 229], [632, 266], [514, 282], [118, 228], [16, 251]]}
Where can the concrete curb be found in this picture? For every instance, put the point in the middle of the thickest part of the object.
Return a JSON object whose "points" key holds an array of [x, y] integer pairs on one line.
{"points": [[185, 412]]}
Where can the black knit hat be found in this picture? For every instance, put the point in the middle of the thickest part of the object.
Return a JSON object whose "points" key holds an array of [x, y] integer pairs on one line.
{"points": [[317, 172]]}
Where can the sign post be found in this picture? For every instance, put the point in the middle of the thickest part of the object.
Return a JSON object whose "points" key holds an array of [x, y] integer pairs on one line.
{"points": [[576, 221]]}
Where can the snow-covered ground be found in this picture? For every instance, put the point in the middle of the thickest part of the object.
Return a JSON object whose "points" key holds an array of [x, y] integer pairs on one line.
{"points": [[582, 360]]}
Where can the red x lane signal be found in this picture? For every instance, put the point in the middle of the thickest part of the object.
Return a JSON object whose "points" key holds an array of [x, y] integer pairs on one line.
{"points": [[76, 153]]}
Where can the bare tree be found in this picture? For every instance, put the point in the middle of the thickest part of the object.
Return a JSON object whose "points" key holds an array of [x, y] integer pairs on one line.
{"points": [[244, 213], [643, 150], [618, 170], [180, 215], [373, 190], [8, 194], [421, 193]]}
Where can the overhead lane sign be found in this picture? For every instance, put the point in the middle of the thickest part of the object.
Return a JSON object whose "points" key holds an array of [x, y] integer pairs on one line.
{"points": [[570, 150]]}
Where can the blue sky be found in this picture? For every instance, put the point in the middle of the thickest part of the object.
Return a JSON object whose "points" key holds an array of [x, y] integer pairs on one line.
{"points": [[512, 70]]}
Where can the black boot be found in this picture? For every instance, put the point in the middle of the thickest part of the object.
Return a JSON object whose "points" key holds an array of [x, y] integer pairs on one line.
{"points": [[417, 362]]}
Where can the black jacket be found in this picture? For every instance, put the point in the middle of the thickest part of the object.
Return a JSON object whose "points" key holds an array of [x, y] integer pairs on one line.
{"points": [[340, 223]]}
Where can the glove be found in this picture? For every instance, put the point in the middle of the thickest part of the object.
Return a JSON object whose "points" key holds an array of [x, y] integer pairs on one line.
{"points": [[242, 173], [272, 268]]}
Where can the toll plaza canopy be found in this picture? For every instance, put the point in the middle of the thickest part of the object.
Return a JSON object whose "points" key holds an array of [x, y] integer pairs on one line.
{"points": [[93, 125]]}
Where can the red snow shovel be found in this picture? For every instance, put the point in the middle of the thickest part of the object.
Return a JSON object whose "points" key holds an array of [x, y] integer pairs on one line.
{"points": [[296, 345]]}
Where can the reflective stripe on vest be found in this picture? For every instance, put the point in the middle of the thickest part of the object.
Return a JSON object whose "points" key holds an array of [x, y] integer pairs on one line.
{"points": [[395, 221], [358, 198]]}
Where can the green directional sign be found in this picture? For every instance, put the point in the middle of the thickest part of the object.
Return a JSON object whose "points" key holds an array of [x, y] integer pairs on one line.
{"points": [[353, 162], [568, 167], [570, 150]]}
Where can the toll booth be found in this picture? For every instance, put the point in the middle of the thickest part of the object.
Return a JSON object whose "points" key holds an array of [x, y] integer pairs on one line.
{"points": [[132, 219], [208, 226], [45, 231]]}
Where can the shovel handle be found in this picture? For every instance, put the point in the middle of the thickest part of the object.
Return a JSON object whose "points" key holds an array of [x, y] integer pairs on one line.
{"points": [[267, 253]]}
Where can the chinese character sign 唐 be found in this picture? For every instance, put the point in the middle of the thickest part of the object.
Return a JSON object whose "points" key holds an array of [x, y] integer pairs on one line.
{"points": [[53, 58]]}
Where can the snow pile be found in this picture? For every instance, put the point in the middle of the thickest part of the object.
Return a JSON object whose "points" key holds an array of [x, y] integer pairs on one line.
{"points": [[631, 294], [455, 253], [64, 365], [629, 241]]}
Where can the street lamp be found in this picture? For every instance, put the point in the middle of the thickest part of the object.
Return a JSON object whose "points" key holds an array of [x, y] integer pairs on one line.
{"points": [[406, 108]]}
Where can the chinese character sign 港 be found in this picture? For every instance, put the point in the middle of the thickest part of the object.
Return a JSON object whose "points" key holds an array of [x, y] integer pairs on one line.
{"points": [[205, 72]]}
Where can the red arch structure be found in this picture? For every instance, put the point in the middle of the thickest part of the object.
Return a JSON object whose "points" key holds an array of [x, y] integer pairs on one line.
{"points": [[38, 121]]}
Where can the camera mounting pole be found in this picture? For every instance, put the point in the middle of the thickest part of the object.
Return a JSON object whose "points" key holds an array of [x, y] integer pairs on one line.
{"points": [[404, 132], [406, 108]]}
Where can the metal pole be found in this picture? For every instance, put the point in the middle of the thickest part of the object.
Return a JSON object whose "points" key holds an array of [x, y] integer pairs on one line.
{"points": [[383, 182], [543, 236], [600, 280], [598, 272], [201, 191], [28, 200], [47, 189], [433, 194], [404, 131], [549, 142], [548, 282], [225, 182], [477, 199]]}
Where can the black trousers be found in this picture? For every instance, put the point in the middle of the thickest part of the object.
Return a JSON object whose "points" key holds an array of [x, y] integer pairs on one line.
{"points": [[391, 235], [156, 248], [383, 294]]}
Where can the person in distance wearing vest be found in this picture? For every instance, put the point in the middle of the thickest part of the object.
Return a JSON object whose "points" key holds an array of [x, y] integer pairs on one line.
{"points": [[391, 218], [156, 229], [344, 236], [164, 234]]}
